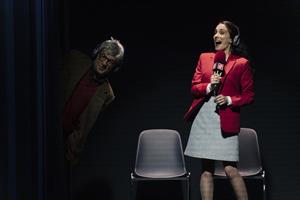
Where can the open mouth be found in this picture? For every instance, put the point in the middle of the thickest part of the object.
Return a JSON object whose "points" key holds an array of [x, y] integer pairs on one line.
{"points": [[217, 43]]}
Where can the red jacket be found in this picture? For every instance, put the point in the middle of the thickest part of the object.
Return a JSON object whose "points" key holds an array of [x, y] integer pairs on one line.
{"points": [[236, 83]]}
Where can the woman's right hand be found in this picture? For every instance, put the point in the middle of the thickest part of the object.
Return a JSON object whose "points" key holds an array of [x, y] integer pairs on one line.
{"points": [[215, 78]]}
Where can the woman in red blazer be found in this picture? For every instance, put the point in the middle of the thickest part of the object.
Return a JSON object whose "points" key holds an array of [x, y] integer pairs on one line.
{"points": [[215, 111]]}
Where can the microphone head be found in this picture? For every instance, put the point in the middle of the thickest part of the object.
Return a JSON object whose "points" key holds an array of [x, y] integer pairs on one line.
{"points": [[220, 57]]}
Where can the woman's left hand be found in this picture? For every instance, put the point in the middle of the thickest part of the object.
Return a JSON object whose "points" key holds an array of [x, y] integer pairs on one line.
{"points": [[221, 100]]}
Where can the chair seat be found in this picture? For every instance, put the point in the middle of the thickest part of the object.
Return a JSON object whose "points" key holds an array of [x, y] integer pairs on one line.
{"points": [[161, 173], [245, 172], [181, 177], [260, 174]]}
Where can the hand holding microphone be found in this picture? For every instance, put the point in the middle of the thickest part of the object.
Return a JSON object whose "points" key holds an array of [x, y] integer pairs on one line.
{"points": [[214, 82], [220, 99], [218, 71]]}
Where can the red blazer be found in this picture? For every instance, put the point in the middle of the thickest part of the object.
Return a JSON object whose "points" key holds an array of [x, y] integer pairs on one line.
{"points": [[236, 83]]}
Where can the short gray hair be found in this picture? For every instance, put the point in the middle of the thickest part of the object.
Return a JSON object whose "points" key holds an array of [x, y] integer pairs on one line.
{"points": [[112, 47]]}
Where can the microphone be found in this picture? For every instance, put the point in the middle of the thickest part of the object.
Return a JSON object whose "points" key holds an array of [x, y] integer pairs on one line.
{"points": [[218, 69]]}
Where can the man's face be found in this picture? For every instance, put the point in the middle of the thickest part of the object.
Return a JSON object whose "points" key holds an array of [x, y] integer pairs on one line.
{"points": [[103, 64]]}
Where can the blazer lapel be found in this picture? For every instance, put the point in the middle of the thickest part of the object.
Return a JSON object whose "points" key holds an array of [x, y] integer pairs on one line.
{"points": [[228, 68]]}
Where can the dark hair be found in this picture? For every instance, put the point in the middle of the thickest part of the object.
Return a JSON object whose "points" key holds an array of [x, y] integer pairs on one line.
{"points": [[238, 48]]}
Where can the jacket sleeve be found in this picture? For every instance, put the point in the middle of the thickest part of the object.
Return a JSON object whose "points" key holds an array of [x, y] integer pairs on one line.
{"points": [[247, 87], [198, 89]]}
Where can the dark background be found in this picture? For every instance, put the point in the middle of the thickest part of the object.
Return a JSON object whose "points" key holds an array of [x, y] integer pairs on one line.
{"points": [[162, 43]]}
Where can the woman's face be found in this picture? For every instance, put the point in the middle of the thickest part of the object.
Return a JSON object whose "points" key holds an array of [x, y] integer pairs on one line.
{"points": [[222, 38]]}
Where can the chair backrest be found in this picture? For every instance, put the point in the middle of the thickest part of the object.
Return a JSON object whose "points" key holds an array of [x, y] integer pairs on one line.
{"points": [[159, 154], [249, 154]]}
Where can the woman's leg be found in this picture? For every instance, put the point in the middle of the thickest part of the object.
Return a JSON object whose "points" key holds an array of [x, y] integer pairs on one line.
{"points": [[236, 180], [206, 180]]}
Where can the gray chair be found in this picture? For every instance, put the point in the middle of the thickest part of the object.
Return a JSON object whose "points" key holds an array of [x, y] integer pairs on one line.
{"points": [[159, 157], [250, 163]]}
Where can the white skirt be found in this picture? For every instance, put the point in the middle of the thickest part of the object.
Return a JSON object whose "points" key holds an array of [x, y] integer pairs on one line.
{"points": [[206, 140]]}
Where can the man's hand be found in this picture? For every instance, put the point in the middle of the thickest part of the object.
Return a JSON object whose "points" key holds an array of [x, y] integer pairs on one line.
{"points": [[72, 144]]}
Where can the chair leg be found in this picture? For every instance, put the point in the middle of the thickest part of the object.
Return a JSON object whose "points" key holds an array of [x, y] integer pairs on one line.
{"points": [[184, 187], [188, 189], [264, 185], [264, 190], [133, 189]]}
